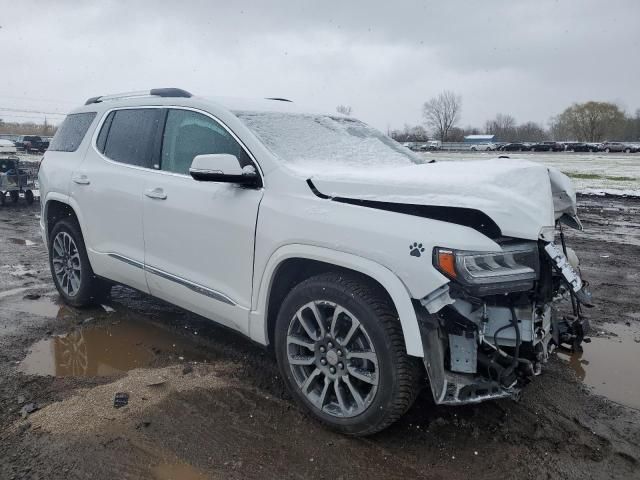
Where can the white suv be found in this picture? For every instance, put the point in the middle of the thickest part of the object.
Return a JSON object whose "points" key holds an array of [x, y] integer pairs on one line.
{"points": [[361, 264]]}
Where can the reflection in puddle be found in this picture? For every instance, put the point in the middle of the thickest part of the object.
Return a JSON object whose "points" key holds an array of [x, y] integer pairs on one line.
{"points": [[43, 306], [21, 241], [101, 351], [177, 471], [610, 365]]}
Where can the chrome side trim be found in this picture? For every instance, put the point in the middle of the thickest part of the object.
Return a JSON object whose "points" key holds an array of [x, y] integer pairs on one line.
{"points": [[209, 292], [202, 290], [128, 260]]}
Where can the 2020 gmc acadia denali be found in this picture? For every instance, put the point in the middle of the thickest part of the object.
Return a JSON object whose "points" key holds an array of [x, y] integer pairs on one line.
{"points": [[362, 264]]}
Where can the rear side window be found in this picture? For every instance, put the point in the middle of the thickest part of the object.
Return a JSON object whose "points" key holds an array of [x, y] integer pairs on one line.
{"points": [[127, 136], [71, 132]]}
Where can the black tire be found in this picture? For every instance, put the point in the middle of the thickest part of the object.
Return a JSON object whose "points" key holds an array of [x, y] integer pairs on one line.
{"points": [[28, 196], [92, 289], [15, 195], [2, 198], [400, 376]]}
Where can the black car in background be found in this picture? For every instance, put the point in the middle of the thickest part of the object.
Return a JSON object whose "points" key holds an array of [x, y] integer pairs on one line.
{"points": [[515, 147], [31, 143], [577, 147], [547, 147]]}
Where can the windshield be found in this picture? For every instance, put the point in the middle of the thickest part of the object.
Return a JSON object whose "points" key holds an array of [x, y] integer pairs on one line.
{"points": [[330, 141]]}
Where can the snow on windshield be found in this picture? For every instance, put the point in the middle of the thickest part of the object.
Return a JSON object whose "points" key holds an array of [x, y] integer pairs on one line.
{"points": [[336, 142]]}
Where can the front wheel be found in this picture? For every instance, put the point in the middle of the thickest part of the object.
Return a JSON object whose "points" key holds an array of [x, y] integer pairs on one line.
{"points": [[70, 268], [15, 195], [341, 352], [28, 196]]}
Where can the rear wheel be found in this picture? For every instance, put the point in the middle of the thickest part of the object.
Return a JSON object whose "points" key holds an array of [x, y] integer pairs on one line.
{"points": [[341, 352], [2, 198], [15, 195], [70, 267], [607, 150], [28, 196]]}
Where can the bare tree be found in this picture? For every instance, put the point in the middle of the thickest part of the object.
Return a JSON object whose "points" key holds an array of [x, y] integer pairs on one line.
{"points": [[441, 113], [503, 127], [344, 109]]}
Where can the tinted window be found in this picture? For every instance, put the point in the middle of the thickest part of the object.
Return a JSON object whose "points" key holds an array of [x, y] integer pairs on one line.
{"points": [[188, 134], [130, 136], [71, 132]]}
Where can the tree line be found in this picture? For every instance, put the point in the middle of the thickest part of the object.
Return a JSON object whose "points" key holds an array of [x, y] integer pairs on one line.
{"points": [[585, 122], [27, 128]]}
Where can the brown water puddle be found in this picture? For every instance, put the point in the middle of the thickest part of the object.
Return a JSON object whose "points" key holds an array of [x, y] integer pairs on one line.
{"points": [[106, 350], [177, 471], [43, 306], [609, 365], [21, 241]]}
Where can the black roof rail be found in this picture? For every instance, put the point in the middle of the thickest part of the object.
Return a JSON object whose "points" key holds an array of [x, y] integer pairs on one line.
{"points": [[170, 92], [278, 99], [157, 92]]}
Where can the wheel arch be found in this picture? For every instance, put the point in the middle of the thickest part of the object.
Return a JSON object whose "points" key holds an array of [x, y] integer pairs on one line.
{"points": [[291, 264]]}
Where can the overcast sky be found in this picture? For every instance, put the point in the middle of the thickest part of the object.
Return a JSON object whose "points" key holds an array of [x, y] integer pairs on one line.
{"points": [[527, 58]]}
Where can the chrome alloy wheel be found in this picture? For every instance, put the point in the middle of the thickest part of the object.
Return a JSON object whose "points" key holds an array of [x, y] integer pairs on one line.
{"points": [[332, 359], [66, 263]]}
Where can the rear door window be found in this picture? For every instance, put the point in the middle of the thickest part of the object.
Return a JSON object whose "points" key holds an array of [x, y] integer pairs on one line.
{"points": [[71, 132], [128, 136]]}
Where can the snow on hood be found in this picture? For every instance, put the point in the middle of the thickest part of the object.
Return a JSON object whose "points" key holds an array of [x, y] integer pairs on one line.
{"points": [[518, 195]]}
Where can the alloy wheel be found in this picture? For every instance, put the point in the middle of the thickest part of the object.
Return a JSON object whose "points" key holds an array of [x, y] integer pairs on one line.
{"points": [[332, 359], [66, 263]]}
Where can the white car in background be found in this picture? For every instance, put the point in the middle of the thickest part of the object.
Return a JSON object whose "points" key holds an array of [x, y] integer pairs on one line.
{"points": [[366, 268], [7, 147], [483, 147]]}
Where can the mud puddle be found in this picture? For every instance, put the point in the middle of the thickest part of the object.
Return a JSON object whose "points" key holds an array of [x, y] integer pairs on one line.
{"points": [[21, 241], [44, 306], [107, 350], [609, 364], [177, 471]]}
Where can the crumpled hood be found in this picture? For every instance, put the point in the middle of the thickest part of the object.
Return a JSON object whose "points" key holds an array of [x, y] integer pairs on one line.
{"points": [[517, 195]]}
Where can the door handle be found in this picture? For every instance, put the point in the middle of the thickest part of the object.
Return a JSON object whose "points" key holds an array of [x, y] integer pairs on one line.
{"points": [[157, 193], [80, 179]]}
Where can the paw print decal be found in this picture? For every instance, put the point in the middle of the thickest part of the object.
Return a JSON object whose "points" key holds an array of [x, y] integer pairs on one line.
{"points": [[416, 249]]}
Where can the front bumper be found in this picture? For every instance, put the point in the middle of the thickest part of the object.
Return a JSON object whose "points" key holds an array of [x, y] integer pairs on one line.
{"points": [[479, 349]]}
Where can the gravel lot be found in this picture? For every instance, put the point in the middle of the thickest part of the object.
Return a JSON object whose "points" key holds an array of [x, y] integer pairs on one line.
{"points": [[206, 403]]}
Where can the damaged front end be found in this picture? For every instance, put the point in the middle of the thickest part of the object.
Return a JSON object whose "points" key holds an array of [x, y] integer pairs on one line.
{"points": [[492, 327]]}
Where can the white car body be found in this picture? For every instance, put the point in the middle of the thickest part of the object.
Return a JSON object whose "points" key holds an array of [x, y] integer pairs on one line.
{"points": [[7, 146], [483, 147], [216, 249]]}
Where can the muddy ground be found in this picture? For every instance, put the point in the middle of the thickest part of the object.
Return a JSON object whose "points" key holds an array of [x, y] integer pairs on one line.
{"points": [[206, 403]]}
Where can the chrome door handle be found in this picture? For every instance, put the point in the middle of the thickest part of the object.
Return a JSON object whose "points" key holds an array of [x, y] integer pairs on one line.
{"points": [[81, 179], [157, 193]]}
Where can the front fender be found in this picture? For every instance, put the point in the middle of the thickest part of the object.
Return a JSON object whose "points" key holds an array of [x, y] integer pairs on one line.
{"points": [[258, 328]]}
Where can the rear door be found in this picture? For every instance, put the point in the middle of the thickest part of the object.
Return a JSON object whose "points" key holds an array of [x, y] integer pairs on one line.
{"points": [[108, 188], [199, 236]]}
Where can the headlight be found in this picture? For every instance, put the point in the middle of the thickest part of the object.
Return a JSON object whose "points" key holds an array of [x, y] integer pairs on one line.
{"points": [[514, 269]]}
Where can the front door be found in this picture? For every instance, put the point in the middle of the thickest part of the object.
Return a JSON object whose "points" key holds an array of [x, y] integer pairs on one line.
{"points": [[199, 236]]}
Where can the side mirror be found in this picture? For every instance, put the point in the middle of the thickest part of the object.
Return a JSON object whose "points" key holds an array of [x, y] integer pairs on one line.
{"points": [[223, 167]]}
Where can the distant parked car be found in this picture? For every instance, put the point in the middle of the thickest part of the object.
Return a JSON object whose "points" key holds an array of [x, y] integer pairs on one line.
{"points": [[32, 143], [7, 146], [576, 147], [515, 147], [547, 147], [483, 146], [434, 145], [612, 147], [594, 147], [631, 148]]}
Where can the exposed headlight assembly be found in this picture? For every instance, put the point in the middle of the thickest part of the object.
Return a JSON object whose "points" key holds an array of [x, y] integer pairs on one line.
{"points": [[514, 269]]}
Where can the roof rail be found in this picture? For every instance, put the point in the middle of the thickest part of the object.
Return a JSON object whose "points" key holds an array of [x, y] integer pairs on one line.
{"points": [[278, 99], [158, 92]]}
